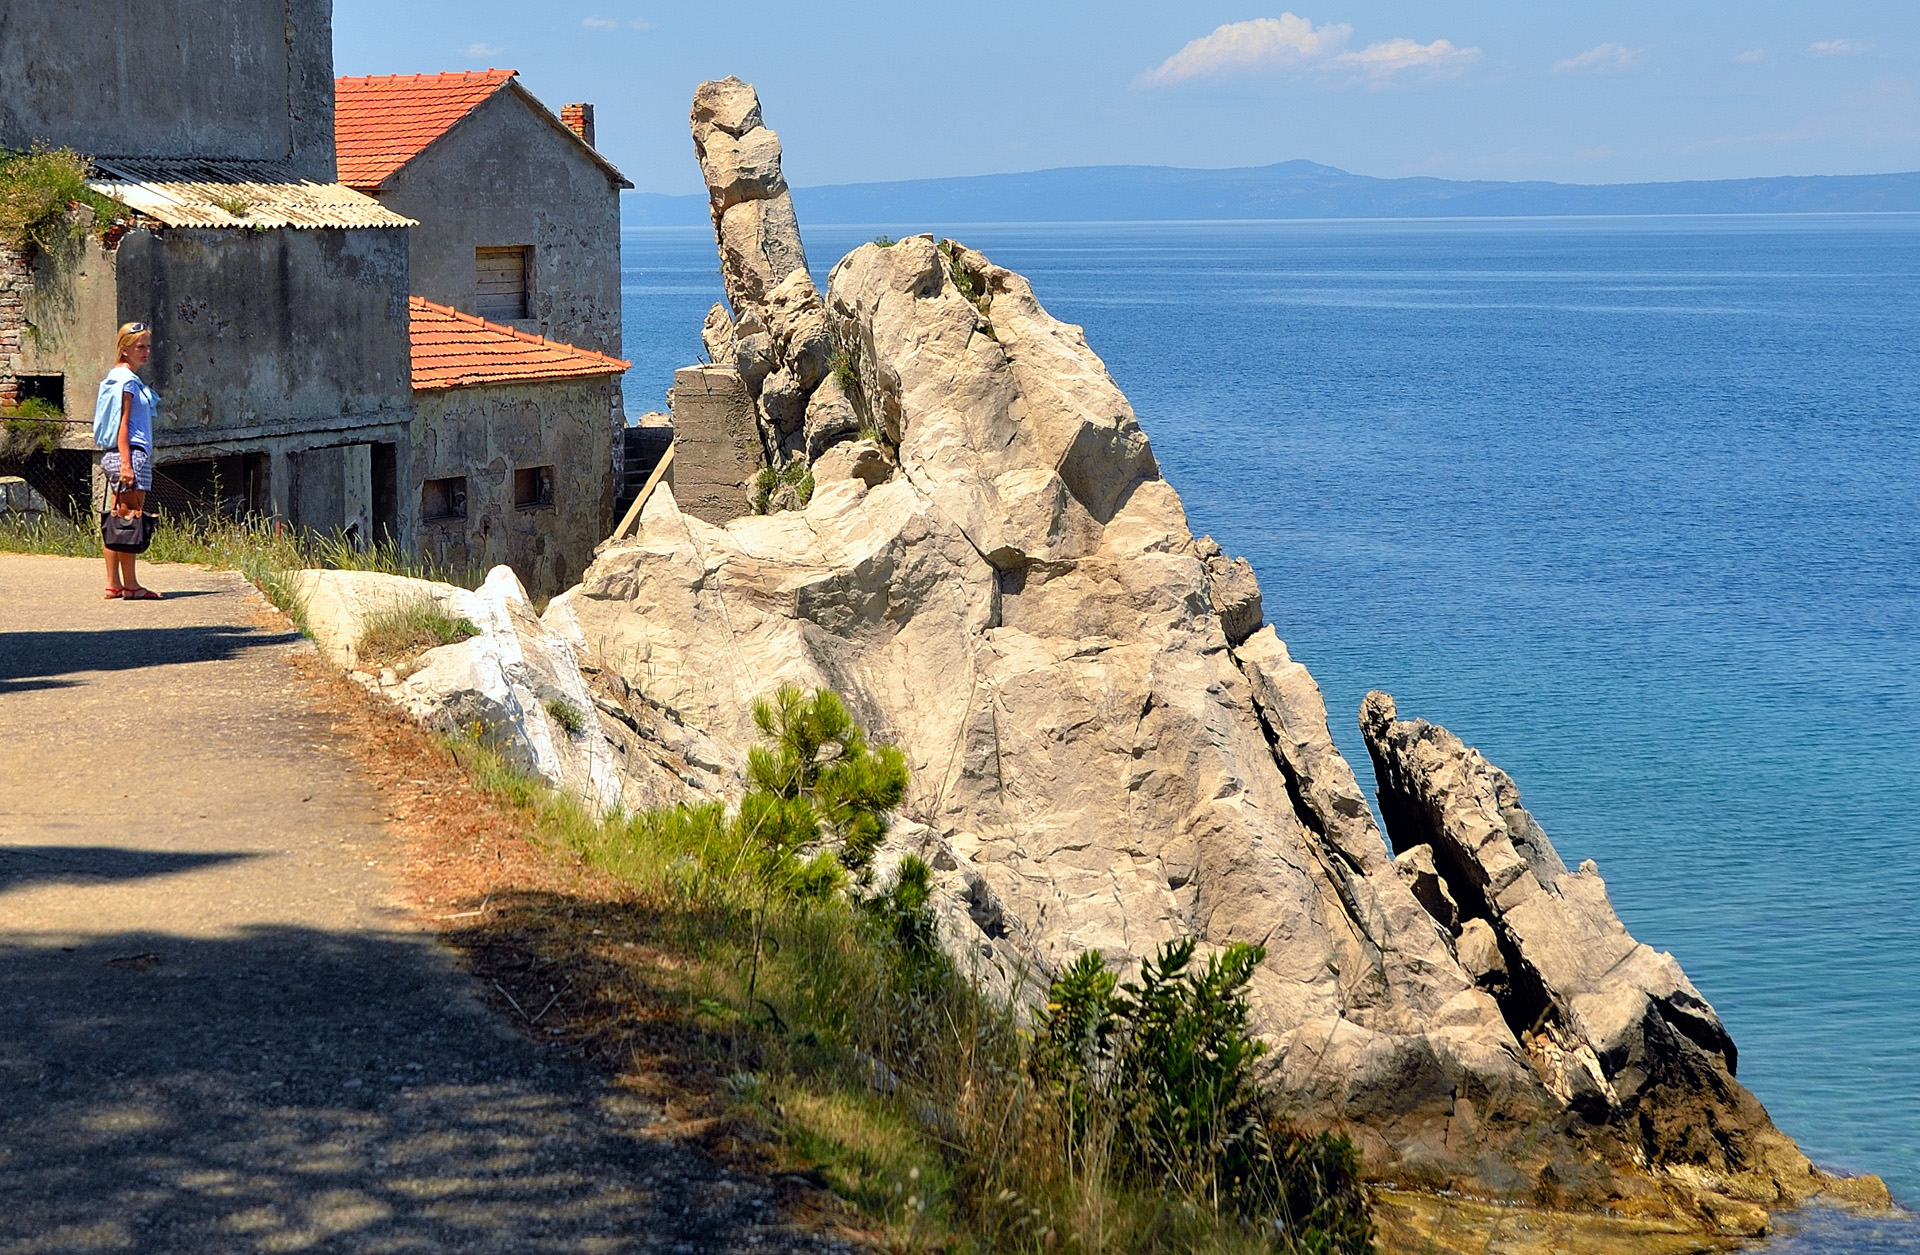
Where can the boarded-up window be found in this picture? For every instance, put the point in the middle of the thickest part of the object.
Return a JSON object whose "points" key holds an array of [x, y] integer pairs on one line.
{"points": [[533, 487], [500, 282], [443, 499]]}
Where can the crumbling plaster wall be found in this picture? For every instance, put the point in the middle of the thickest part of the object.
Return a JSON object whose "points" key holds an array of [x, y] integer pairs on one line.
{"points": [[71, 309], [485, 433], [171, 78], [506, 176]]}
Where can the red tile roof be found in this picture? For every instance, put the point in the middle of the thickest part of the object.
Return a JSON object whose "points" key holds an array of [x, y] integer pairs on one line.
{"points": [[456, 350], [382, 122]]}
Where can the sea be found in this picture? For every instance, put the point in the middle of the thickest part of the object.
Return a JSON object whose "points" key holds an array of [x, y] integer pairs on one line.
{"points": [[1630, 504]]}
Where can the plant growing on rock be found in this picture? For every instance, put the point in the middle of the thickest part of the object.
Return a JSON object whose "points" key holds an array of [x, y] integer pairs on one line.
{"points": [[39, 189], [34, 423], [789, 488], [567, 715]]}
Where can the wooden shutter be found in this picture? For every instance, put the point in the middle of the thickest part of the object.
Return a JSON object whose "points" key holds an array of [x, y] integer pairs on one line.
{"points": [[500, 283]]}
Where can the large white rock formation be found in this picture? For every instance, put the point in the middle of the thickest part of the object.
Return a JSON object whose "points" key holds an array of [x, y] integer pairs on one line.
{"points": [[1022, 609]]}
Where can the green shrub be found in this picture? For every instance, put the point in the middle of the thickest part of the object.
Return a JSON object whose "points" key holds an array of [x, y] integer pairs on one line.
{"points": [[1166, 1070], [885, 241]]}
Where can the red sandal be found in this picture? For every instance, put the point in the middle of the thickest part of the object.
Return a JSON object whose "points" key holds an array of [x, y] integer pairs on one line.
{"points": [[114, 594], [139, 594]]}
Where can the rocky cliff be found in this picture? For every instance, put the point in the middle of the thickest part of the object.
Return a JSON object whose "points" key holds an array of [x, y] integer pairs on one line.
{"points": [[1110, 749]]}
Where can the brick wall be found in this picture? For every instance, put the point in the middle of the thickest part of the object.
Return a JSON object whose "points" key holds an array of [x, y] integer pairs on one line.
{"points": [[16, 276]]}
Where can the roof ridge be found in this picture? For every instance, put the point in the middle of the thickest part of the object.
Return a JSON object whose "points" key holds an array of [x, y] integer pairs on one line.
{"points": [[490, 72]]}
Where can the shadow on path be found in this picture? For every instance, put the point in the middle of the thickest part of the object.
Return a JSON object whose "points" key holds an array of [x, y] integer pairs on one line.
{"points": [[296, 1089], [22, 865], [37, 656]]}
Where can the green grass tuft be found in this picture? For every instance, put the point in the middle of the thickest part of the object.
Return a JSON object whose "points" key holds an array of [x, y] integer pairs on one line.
{"points": [[38, 190], [567, 715], [410, 627]]}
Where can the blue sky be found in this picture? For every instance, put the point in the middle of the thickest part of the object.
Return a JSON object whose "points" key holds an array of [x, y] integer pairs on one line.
{"points": [[1474, 89]]}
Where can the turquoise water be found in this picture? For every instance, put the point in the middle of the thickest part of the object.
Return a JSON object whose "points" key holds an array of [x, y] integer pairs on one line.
{"points": [[1633, 505]]}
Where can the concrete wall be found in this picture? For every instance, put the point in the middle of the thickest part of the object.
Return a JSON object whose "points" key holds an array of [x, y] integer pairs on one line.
{"points": [[487, 433], [171, 78], [505, 176], [716, 443], [270, 333]]}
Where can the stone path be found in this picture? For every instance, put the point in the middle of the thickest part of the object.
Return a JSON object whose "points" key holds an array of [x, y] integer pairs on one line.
{"points": [[219, 1031]]}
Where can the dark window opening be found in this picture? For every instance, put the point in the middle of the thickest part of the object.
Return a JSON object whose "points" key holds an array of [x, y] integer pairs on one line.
{"points": [[233, 486], [442, 499], [533, 487], [386, 494], [500, 282], [47, 389]]}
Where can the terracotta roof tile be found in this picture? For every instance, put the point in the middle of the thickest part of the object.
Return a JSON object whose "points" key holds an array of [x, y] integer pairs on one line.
{"points": [[384, 121], [456, 350]]}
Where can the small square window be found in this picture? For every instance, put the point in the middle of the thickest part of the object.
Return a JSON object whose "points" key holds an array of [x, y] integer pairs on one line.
{"points": [[442, 499], [533, 487], [500, 283], [50, 390]]}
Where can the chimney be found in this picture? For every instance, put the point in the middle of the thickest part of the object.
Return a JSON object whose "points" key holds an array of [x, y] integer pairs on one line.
{"points": [[579, 120]]}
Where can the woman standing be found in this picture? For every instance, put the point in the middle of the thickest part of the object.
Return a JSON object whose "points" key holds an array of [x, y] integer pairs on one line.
{"points": [[128, 465]]}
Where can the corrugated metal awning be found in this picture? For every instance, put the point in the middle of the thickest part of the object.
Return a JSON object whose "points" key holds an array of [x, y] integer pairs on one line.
{"points": [[197, 192]]}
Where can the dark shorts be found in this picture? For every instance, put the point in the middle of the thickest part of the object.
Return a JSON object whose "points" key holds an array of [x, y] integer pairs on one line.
{"points": [[142, 469]]}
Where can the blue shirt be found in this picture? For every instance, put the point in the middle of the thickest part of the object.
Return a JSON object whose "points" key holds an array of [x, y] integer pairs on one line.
{"points": [[144, 401]]}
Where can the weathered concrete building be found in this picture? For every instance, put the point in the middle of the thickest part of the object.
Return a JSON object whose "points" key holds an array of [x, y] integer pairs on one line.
{"points": [[277, 298], [510, 448], [519, 215]]}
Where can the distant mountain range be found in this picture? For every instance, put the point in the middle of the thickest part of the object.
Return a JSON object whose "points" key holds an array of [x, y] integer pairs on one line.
{"points": [[1291, 189]]}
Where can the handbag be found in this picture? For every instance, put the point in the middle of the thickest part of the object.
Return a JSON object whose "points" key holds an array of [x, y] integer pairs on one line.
{"points": [[127, 533]]}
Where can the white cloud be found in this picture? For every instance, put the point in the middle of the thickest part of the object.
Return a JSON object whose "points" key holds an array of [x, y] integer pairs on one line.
{"points": [[1395, 55], [1608, 58], [1289, 41], [1262, 43], [1752, 56], [483, 50], [1838, 47], [601, 23]]}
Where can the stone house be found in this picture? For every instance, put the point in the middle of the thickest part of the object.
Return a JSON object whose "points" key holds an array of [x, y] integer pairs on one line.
{"points": [[518, 230], [277, 297], [519, 215], [510, 447]]}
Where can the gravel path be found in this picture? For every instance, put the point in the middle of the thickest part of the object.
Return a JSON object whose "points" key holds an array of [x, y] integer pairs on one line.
{"points": [[219, 1029]]}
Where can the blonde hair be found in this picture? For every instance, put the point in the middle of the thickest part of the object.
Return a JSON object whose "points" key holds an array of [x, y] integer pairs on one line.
{"points": [[129, 332]]}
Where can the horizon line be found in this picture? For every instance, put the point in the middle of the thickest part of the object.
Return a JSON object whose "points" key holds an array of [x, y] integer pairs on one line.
{"points": [[1305, 161]]}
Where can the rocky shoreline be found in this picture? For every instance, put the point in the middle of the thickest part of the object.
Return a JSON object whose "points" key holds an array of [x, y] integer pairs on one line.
{"points": [[1110, 748]]}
